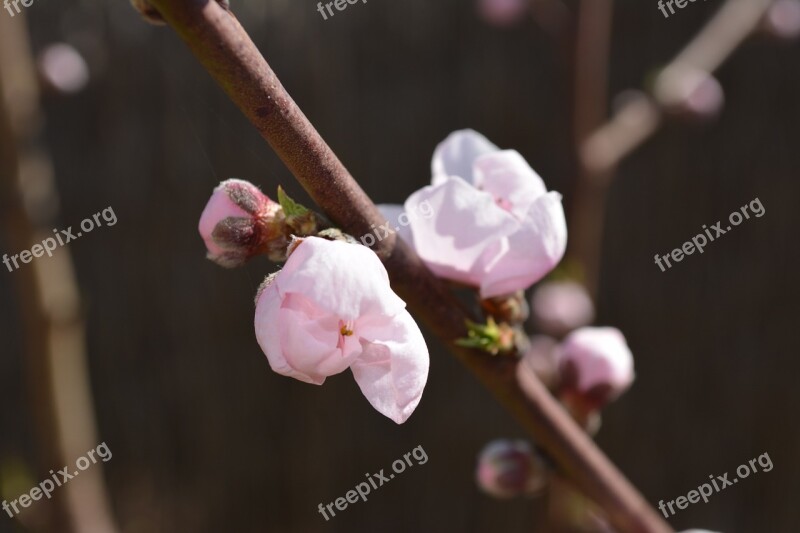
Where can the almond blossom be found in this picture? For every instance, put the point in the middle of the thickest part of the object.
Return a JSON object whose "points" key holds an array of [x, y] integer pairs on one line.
{"points": [[495, 226], [331, 308]]}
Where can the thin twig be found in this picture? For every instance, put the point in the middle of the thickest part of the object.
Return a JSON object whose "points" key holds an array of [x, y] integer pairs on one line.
{"points": [[220, 43]]}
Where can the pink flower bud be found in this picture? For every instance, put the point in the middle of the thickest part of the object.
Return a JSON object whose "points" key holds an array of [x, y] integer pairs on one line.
{"points": [[782, 19], [240, 222], [509, 468], [494, 225], [560, 306], [596, 365], [331, 308], [690, 92], [63, 68], [503, 12]]}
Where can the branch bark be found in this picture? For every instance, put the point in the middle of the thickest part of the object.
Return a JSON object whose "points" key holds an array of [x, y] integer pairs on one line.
{"points": [[223, 47]]}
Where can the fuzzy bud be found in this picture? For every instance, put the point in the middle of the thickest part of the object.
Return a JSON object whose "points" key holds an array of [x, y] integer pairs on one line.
{"points": [[596, 366], [690, 93], [151, 14], [509, 468], [782, 20], [561, 306], [240, 222]]}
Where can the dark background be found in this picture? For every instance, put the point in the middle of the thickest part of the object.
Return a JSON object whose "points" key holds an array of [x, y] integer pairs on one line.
{"points": [[206, 438]]}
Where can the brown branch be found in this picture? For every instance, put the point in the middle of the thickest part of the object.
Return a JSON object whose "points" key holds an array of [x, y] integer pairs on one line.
{"points": [[220, 43]]}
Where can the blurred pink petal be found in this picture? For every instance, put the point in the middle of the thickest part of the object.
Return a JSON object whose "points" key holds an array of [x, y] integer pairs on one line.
{"points": [[559, 307], [63, 68], [503, 12], [331, 308]]}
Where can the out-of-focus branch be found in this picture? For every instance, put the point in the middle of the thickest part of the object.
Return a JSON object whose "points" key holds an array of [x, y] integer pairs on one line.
{"points": [[593, 41], [637, 120], [56, 362], [223, 47]]}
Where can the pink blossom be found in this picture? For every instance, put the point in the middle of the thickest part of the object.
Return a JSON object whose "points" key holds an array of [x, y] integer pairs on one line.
{"points": [[596, 363], [331, 308], [508, 468], [503, 12], [495, 226], [239, 222], [560, 306]]}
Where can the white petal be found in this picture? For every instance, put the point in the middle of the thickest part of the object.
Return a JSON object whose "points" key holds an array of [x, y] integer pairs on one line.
{"points": [[530, 252], [465, 224], [456, 154], [507, 176], [345, 280], [393, 368], [396, 216]]}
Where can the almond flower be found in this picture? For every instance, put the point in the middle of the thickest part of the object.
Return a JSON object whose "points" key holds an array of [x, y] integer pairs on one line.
{"points": [[331, 308], [495, 226], [596, 365], [240, 222]]}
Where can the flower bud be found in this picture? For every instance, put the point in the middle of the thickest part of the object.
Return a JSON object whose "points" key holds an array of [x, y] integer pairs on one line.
{"points": [[151, 14], [690, 93], [63, 68], [502, 12], [596, 366], [782, 19], [561, 306], [240, 222], [509, 468]]}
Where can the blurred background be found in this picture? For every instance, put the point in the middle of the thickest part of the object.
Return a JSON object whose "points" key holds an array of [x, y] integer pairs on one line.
{"points": [[129, 336]]}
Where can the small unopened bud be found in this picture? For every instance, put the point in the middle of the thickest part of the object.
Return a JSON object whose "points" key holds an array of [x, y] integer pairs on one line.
{"points": [[62, 68], [240, 222], [689, 92], [509, 468], [782, 19], [503, 12], [561, 306], [596, 366]]}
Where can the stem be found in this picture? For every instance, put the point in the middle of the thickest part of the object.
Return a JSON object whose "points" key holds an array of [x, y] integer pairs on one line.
{"points": [[223, 47]]}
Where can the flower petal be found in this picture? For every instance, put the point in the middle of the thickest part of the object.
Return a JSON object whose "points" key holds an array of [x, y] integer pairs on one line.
{"points": [[455, 155], [510, 179], [345, 280], [396, 216], [393, 368], [466, 224], [529, 253]]}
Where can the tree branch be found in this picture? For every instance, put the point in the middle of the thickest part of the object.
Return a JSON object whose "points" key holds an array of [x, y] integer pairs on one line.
{"points": [[223, 47]]}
